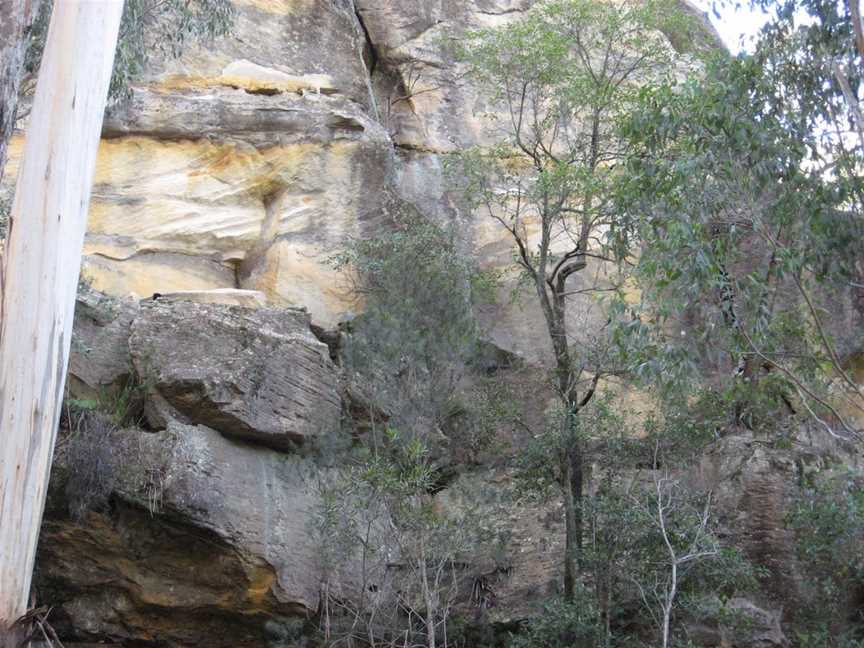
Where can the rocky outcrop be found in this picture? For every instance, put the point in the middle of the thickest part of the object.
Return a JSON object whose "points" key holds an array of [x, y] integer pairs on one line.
{"points": [[244, 164], [205, 543], [756, 484], [208, 533], [753, 626], [250, 160], [99, 358], [256, 375], [224, 296], [201, 533]]}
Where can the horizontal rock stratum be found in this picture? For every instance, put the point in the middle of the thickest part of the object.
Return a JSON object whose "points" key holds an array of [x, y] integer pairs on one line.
{"points": [[249, 161], [256, 375]]}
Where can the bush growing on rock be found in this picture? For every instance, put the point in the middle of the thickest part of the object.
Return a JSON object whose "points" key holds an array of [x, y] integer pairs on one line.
{"points": [[409, 349], [829, 525], [90, 460], [405, 357], [396, 563]]}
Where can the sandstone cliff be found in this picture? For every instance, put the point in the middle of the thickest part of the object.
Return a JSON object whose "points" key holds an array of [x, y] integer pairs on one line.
{"points": [[232, 175], [249, 161]]}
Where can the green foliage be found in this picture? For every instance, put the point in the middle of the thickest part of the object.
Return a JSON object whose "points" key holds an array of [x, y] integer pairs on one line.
{"points": [[556, 81], [562, 625], [547, 49], [828, 521], [121, 405], [823, 637], [399, 555], [404, 356], [555, 103], [149, 28], [599, 426], [743, 182], [477, 416], [408, 350], [625, 552]]}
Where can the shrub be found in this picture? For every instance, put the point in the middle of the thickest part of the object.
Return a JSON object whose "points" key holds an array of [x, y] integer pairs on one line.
{"points": [[563, 625], [828, 521], [90, 461]]}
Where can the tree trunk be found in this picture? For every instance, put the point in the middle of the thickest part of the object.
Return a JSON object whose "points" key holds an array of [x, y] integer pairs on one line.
{"points": [[570, 533], [857, 25], [670, 601], [16, 18], [572, 487], [428, 596], [40, 273]]}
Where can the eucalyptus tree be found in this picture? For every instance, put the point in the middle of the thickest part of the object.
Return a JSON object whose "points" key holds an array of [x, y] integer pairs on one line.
{"points": [[39, 273], [745, 185], [558, 80], [39, 279]]}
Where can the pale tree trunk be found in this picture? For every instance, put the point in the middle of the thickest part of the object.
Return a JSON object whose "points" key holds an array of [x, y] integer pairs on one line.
{"points": [[16, 18], [669, 602], [40, 272]]}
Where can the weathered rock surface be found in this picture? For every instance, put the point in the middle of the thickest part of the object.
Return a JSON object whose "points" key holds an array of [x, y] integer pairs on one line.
{"points": [[224, 296], [100, 357], [206, 543], [260, 150], [244, 166], [257, 375], [757, 628], [755, 486], [277, 45]]}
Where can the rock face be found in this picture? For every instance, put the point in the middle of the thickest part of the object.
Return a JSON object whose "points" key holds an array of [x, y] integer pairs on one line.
{"points": [[243, 164], [208, 535], [202, 545], [225, 183], [257, 375], [759, 628], [755, 487], [249, 161], [100, 357]]}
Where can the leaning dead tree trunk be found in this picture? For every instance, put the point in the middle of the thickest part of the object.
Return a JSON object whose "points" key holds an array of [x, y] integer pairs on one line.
{"points": [[16, 18], [40, 273]]}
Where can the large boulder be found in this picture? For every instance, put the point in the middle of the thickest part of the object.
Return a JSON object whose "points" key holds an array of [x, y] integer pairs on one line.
{"points": [[756, 484], [747, 626], [257, 375], [207, 542]]}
